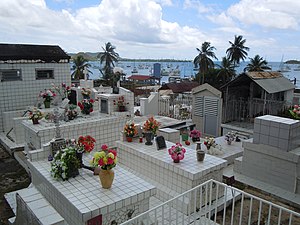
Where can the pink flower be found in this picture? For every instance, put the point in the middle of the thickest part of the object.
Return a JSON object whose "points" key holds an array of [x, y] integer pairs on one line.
{"points": [[110, 161], [104, 147]]}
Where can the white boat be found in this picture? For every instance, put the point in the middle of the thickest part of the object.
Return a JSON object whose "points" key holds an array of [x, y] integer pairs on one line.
{"points": [[134, 70]]}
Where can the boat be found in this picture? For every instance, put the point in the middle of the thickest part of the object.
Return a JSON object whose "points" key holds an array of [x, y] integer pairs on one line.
{"points": [[134, 70], [297, 68]]}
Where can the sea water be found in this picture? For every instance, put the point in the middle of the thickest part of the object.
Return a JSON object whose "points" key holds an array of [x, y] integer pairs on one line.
{"points": [[186, 69]]}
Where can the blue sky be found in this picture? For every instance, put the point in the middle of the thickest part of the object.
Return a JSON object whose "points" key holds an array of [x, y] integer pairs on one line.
{"points": [[155, 28]]}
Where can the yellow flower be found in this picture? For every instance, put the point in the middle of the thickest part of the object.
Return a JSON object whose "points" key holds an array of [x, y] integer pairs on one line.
{"points": [[110, 155]]}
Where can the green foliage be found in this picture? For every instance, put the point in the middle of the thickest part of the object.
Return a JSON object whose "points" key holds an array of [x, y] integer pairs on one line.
{"points": [[257, 64], [80, 63], [237, 51], [65, 164]]}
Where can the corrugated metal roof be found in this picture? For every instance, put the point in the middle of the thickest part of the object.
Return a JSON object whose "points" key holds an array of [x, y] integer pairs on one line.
{"points": [[139, 77], [264, 75], [273, 85]]}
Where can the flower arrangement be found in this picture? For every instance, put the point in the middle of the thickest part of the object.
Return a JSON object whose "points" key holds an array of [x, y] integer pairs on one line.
{"points": [[106, 158], [35, 114], [130, 129], [85, 144], [71, 112], [295, 112], [65, 164], [47, 95], [151, 125], [230, 136], [177, 152], [86, 106], [120, 101], [209, 142], [63, 90], [195, 135], [86, 92]]}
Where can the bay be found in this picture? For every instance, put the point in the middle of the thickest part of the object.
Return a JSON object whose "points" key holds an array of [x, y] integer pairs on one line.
{"points": [[186, 69]]}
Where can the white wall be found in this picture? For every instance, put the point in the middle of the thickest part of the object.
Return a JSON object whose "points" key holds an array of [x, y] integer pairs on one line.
{"points": [[18, 95]]}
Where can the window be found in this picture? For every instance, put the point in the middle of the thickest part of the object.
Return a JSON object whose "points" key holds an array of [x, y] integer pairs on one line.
{"points": [[10, 75], [44, 74]]}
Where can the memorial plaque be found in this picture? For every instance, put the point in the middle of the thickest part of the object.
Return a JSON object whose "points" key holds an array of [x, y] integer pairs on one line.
{"points": [[160, 142]]}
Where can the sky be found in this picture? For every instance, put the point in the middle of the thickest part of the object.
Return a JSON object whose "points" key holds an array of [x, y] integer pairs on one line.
{"points": [[156, 29]]}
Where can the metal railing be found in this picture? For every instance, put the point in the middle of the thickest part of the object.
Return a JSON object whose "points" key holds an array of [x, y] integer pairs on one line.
{"points": [[214, 202]]}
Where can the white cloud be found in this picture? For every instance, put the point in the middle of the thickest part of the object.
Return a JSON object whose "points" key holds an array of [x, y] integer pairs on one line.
{"points": [[201, 8], [222, 19], [267, 13]]}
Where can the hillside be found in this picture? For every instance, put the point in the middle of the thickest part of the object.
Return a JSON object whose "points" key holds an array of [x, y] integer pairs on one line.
{"points": [[293, 61]]}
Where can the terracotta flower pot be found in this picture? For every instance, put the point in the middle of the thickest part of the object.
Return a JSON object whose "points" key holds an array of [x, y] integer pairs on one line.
{"points": [[106, 178]]}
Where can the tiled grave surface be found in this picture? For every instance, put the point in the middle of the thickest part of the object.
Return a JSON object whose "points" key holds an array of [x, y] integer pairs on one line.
{"points": [[102, 127], [279, 132], [81, 198], [33, 208], [169, 134], [170, 178]]}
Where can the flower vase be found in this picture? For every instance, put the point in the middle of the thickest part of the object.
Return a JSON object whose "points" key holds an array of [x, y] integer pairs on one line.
{"points": [[200, 155], [47, 104], [129, 139], [176, 160], [148, 136], [122, 108], [106, 178], [79, 157], [35, 121], [194, 139], [185, 137]]}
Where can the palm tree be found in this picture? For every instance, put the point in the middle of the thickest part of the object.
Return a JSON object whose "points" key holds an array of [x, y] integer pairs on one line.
{"points": [[80, 63], [109, 56], [227, 70], [203, 59], [237, 51], [257, 64]]}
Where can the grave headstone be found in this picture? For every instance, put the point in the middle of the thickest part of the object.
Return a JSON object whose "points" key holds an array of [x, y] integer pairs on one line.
{"points": [[160, 142]]}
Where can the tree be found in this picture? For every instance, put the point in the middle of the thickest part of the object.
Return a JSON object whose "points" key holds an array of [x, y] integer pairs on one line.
{"points": [[257, 64], [108, 56], [203, 59], [237, 51], [80, 63], [227, 70]]}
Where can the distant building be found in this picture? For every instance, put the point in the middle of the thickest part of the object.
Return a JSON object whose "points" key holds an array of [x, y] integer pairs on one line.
{"points": [[157, 70], [177, 88], [25, 70]]}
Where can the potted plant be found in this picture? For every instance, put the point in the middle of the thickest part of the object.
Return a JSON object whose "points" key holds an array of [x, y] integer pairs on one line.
{"points": [[35, 115], [106, 159], [195, 135], [150, 128], [295, 112], [209, 142], [48, 96], [121, 104], [86, 106], [84, 144], [130, 130], [177, 152], [65, 164]]}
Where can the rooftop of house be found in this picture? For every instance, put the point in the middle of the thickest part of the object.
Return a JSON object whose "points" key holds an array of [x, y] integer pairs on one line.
{"points": [[139, 77], [179, 87], [42, 53]]}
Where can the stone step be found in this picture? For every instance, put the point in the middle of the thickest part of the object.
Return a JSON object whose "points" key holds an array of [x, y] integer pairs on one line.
{"points": [[32, 208]]}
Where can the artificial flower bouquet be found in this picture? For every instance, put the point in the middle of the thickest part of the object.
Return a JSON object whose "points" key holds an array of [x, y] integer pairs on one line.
{"points": [[151, 125], [85, 144], [86, 92], [130, 129], [230, 137], [106, 158], [86, 106], [48, 95], [35, 114], [177, 152], [63, 90], [209, 142], [195, 135], [120, 103], [71, 112], [65, 164], [295, 112]]}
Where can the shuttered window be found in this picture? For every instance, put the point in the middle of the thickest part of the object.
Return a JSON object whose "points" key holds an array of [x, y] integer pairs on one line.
{"points": [[211, 106], [199, 103]]}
